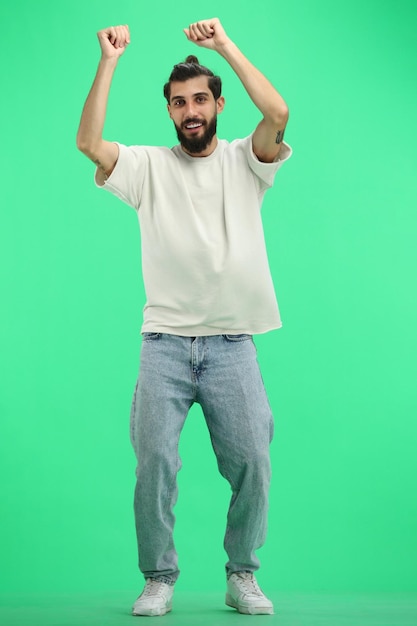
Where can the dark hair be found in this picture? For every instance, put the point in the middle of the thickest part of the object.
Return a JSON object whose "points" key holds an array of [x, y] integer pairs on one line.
{"points": [[190, 69]]}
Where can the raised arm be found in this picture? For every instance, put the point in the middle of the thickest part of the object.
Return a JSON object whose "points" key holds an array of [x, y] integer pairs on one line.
{"points": [[268, 136], [104, 154]]}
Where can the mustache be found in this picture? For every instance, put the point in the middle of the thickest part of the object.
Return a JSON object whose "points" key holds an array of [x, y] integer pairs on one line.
{"points": [[193, 120]]}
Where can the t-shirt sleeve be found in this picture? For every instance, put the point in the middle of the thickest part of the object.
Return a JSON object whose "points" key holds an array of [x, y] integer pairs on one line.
{"points": [[265, 172], [127, 179]]}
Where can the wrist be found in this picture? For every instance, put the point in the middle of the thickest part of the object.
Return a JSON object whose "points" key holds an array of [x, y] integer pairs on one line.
{"points": [[108, 62], [226, 48]]}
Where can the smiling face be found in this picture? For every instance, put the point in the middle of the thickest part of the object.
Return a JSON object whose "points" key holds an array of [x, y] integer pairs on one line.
{"points": [[194, 110]]}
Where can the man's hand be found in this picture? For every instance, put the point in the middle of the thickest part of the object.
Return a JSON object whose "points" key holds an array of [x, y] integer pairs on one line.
{"points": [[113, 41], [207, 34]]}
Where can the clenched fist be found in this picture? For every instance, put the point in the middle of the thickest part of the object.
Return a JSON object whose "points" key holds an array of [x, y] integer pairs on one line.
{"points": [[113, 40], [207, 33]]}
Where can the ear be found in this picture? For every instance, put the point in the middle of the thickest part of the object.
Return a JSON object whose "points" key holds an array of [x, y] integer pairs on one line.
{"points": [[169, 111], [220, 104]]}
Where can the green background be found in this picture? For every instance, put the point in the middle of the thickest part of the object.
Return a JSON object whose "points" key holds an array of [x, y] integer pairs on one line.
{"points": [[341, 233]]}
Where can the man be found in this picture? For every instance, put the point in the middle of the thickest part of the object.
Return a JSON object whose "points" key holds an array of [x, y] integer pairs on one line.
{"points": [[208, 289]]}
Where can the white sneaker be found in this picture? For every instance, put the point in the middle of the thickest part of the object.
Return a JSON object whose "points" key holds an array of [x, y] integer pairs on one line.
{"points": [[244, 594], [155, 599]]}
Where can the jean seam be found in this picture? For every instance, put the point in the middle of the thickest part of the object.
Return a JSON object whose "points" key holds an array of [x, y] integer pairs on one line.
{"points": [[151, 337], [221, 460], [237, 338]]}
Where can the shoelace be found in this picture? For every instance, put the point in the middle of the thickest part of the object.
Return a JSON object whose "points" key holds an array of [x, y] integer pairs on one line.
{"points": [[153, 588], [247, 583]]}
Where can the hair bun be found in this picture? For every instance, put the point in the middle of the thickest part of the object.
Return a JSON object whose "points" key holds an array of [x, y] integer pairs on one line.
{"points": [[192, 59]]}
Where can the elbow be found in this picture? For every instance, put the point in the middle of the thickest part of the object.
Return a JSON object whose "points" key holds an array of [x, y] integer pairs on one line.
{"points": [[286, 113], [281, 115], [82, 144], [278, 114], [85, 146]]}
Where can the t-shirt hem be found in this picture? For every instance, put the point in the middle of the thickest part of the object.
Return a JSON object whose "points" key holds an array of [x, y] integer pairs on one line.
{"points": [[207, 332]]}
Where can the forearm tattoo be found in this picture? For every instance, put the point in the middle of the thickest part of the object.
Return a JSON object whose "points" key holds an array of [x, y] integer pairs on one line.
{"points": [[280, 136]]}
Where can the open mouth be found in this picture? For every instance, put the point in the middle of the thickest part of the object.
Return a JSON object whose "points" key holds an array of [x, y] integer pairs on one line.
{"points": [[193, 126]]}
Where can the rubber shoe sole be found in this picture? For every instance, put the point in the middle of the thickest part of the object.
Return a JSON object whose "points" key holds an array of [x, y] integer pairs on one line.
{"points": [[152, 612], [248, 610]]}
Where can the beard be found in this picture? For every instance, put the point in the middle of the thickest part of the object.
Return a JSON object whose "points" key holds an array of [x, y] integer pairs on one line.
{"points": [[195, 145]]}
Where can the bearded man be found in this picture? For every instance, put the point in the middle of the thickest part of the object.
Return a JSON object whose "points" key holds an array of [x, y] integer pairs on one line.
{"points": [[208, 291]]}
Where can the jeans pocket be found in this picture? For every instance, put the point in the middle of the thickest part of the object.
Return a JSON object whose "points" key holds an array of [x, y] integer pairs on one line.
{"points": [[241, 337], [150, 336]]}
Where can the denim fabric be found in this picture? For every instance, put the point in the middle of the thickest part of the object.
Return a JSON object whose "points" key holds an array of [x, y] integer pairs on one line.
{"points": [[220, 373]]}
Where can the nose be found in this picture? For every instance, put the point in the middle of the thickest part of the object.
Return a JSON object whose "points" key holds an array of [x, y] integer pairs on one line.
{"points": [[190, 109]]}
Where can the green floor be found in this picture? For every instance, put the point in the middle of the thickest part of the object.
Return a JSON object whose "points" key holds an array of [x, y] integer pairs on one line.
{"points": [[291, 609]]}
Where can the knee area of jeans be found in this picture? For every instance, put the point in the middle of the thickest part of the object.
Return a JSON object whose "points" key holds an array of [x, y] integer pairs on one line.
{"points": [[256, 468], [254, 456], [157, 461]]}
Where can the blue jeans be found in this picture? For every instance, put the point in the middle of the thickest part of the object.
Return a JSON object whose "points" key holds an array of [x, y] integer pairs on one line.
{"points": [[220, 373]]}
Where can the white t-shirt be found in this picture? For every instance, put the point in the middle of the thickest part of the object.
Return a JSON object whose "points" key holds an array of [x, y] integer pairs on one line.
{"points": [[204, 261]]}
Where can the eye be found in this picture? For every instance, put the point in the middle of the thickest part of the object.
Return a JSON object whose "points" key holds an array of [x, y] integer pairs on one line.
{"points": [[178, 103], [201, 99]]}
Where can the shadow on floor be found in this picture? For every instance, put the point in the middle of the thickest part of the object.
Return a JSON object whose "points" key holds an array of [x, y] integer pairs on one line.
{"points": [[208, 609]]}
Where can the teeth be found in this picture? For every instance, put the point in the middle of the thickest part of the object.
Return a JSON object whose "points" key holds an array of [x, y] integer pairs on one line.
{"points": [[193, 125]]}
